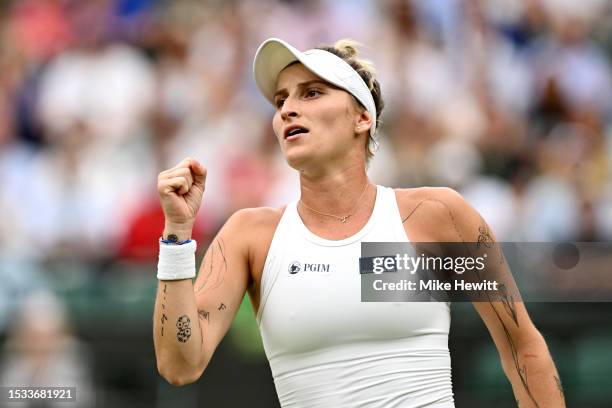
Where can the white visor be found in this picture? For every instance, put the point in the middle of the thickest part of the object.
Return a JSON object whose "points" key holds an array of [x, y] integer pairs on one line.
{"points": [[274, 55]]}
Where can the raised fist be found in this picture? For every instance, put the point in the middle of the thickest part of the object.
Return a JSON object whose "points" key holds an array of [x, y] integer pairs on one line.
{"points": [[180, 192]]}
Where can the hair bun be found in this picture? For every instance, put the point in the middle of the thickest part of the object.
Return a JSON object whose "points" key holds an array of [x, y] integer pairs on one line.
{"points": [[347, 47]]}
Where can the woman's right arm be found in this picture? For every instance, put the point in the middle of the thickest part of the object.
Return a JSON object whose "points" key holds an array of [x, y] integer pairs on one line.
{"points": [[191, 319]]}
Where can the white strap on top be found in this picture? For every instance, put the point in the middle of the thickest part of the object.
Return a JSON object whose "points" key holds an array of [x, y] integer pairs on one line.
{"points": [[272, 265]]}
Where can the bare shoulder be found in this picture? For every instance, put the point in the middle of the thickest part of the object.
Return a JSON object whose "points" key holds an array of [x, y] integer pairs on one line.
{"points": [[436, 201], [437, 214], [254, 228], [257, 220]]}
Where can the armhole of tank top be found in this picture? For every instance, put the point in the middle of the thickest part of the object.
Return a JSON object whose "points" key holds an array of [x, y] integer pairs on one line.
{"points": [[269, 273], [400, 231]]}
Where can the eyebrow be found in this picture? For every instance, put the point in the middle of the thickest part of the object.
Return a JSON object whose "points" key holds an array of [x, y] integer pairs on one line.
{"points": [[302, 85]]}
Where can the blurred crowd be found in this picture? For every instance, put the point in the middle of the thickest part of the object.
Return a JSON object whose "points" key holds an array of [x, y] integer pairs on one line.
{"points": [[507, 101]]}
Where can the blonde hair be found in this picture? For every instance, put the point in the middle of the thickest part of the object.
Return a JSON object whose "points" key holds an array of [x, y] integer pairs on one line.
{"points": [[347, 49]]}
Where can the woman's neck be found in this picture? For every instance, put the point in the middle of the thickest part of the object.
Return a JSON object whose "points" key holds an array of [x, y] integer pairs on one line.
{"points": [[334, 193]]}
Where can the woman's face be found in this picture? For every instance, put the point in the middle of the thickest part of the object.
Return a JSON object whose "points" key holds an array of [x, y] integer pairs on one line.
{"points": [[313, 119]]}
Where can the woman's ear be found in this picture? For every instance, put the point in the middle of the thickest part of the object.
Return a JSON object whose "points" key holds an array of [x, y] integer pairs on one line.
{"points": [[364, 122]]}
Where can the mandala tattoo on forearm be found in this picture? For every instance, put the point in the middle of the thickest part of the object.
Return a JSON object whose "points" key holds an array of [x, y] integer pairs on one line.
{"points": [[183, 324]]}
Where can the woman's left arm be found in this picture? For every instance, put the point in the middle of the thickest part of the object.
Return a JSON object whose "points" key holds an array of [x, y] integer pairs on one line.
{"points": [[524, 355]]}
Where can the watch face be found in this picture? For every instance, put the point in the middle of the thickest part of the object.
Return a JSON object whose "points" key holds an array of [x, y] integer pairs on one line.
{"points": [[172, 238]]}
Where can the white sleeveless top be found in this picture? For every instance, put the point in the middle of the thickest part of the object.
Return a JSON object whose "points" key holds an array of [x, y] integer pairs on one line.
{"points": [[327, 348]]}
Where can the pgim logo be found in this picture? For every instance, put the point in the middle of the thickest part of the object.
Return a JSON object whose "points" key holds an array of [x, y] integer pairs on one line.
{"points": [[296, 267]]}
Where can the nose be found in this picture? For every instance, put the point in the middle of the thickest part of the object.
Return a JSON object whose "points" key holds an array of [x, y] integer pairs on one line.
{"points": [[289, 109]]}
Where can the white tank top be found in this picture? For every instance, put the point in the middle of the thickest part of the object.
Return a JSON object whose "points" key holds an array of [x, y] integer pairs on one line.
{"points": [[326, 348]]}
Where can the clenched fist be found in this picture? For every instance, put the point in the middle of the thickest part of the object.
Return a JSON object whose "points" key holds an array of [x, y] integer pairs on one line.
{"points": [[180, 192]]}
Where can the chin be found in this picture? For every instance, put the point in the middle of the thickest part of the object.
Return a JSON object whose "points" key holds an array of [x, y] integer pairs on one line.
{"points": [[299, 158], [296, 161]]}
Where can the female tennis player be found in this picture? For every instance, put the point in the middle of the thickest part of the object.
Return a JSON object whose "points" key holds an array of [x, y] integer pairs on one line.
{"points": [[299, 264]]}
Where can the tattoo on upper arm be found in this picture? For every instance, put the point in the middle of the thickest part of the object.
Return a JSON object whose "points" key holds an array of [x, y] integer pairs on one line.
{"points": [[521, 371], [485, 239], [450, 214], [510, 308], [509, 304], [183, 324], [452, 218], [222, 307], [215, 269], [412, 212]]}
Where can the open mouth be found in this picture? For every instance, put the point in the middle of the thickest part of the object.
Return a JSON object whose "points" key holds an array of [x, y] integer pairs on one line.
{"points": [[292, 132]]}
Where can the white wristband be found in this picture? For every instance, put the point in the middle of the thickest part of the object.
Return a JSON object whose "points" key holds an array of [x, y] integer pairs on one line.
{"points": [[176, 261]]}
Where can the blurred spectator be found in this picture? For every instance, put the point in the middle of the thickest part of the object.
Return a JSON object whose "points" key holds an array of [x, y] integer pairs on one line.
{"points": [[41, 352], [39, 29], [108, 86]]}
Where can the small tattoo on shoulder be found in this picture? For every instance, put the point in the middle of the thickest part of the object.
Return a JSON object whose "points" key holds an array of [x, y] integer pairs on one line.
{"points": [[484, 237], [222, 307]]}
